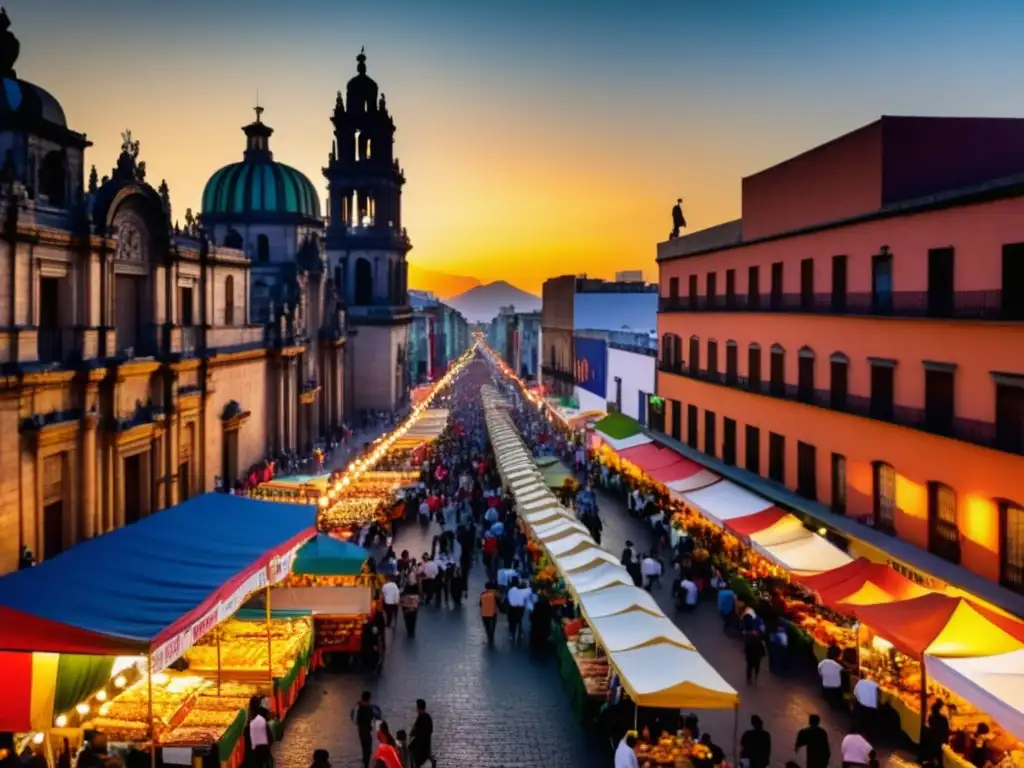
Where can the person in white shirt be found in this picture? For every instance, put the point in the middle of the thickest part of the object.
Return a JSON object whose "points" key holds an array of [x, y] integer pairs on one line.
{"points": [[831, 673], [517, 598], [625, 754], [428, 573], [689, 593], [651, 570], [856, 750], [865, 694], [258, 732], [390, 595]]}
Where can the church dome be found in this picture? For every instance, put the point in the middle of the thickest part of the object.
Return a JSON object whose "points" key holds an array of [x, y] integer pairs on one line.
{"points": [[361, 91], [258, 188], [30, 102]]}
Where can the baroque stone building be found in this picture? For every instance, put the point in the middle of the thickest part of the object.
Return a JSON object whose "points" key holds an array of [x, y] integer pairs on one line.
{"points": [[133, 370], [366, 243]]}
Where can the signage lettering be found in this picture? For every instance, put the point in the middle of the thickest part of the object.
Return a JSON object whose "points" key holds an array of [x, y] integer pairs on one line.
{"points": [[917, 577]]}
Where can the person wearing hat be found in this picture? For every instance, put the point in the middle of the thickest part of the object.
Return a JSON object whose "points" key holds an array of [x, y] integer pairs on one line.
{"points": [[630, 563]]}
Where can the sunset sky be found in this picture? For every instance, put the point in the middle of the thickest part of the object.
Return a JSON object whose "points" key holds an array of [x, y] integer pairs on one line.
{"points": [[538, 138]]}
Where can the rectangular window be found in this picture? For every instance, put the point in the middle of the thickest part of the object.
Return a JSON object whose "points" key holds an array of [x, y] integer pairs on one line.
{"points": [[882, 390], [939, 405], [753, 449], [731, 363], [805, 382], [1010, 418], [1011, 518], [806, 470], [694, 298], [641, 408], [778, 372], [656, 413], [673, 287], [940, 282], [838, 386], [776, 457], [729, 441], [713, 357], [943, 533], [839, 283], [807, 284], [694, 355], [753, 287], [709, 434], [691, 427], [881, 283], [677, 420], [754, 368], [884, 497], [1012, 294], [838, 483], [712, 289], [776, 297], [730, 288]]}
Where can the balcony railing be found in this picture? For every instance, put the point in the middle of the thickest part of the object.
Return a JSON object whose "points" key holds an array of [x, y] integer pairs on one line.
{"points": [[962, 305], [558, 375], [51, 345], [968, 430]]}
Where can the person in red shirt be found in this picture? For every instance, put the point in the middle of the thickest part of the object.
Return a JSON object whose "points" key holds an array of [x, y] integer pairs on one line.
{"points": [[387, 752]]}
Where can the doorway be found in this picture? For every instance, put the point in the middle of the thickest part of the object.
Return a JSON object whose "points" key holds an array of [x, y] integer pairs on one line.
{"points": [[53, 529], [133, 489], [184, 470]]}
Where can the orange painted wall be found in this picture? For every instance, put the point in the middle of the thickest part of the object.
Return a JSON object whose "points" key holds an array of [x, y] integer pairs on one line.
{"points": [[976, 232], [978, 475], [837, 180]]}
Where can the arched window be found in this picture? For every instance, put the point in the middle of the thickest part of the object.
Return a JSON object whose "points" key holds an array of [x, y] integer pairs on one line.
{"points": [[694, 354], [884, 496], [732, 362], [943, 532], [391, 281], [233, 239], [754, 367], [261, 301], [53, 178], [1011, 545], [839, 369], [777, 382], [364, 283], [805, 375], [262, 248], [229, 300], [668, 359]]}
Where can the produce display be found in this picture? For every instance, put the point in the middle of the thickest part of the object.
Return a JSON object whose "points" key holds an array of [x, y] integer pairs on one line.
{"points": [[126, 718], [346, 511], [671, 750], [339, 630], [328, 580], [243, 648], [593, 667]]}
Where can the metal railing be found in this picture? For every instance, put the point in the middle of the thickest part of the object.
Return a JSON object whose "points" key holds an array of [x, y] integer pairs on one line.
{"points": [[968, 430], [962, 305]]}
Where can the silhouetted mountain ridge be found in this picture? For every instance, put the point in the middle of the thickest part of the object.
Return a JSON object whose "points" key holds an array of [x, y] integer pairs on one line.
{"points": [[481, 304]]}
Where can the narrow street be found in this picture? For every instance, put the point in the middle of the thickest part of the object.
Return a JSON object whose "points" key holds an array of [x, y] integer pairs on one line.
{"points": [[492, 708]]}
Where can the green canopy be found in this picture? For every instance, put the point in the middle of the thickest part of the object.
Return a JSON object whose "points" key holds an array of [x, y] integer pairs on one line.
{"points": [[327, 556], [555, 475], [618, 426], [546, 461]]}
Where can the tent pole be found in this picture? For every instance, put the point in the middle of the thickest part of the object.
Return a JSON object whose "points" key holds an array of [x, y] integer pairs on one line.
{"points": [[152, 729], [216, 631], [270, 652]]}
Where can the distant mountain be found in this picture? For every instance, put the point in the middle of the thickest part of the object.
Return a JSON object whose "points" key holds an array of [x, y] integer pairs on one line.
{"points": [[441, 284], [481, 304]]}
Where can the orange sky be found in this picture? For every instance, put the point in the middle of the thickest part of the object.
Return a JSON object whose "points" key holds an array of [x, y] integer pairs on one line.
{"points": [[531, 149]]}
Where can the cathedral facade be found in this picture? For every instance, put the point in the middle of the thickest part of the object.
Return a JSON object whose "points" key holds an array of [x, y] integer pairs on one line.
{"points": [[142, 363]]}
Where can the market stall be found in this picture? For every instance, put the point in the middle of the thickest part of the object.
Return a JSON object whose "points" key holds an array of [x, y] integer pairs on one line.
{"points": [[619, 432], [146, 595]]}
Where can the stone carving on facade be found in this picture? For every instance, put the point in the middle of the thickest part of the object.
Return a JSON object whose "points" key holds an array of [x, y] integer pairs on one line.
{"points": [[129, 241]]}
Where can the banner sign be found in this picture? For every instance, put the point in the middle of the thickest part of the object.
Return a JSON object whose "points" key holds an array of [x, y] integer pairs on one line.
{"points": [[592, 365], [171, 650]]}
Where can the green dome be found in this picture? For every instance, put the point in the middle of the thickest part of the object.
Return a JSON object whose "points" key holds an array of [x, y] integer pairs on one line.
{"points": [[258, 188]]}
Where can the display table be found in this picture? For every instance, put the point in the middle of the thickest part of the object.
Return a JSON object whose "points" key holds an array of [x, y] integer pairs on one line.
{"points": [[585, 705]]}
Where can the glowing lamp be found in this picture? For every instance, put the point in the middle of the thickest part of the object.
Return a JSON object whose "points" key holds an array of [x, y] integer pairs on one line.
{"points": [[61, 721], [82, 709], [120, 681], [822, 531], [38, 738], [101, 695], [323, 501]]}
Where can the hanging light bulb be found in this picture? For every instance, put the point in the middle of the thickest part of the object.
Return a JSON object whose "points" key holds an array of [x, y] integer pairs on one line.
{"points": [[61, 721], [101, 695], [38, 738], [82, 708], [120, 681]]}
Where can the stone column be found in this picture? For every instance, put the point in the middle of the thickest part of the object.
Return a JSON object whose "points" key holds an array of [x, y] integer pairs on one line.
{"points": [[173, 460], [88, 525]]}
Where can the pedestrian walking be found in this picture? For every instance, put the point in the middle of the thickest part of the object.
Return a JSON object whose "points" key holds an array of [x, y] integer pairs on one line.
{"points": [[517, 597], [756, 745], [489, 610], [814, 741], [410, 605], [258, 736], [420, 737], [387, 750], [753, 653], [366, 714], [390, 595]]}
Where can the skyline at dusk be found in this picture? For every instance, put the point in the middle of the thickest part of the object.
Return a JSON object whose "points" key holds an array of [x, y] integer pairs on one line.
{"points": [[536, 140]]}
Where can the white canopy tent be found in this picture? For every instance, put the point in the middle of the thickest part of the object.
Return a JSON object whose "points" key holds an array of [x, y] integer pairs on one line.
{"points": [[702, 479], [613, 600], [994, 684], [550, 514], [625, 631], [726, 501], [806, 555], [585, 560], [665, 675], [551, 529], [568, 545], [598, 578]]}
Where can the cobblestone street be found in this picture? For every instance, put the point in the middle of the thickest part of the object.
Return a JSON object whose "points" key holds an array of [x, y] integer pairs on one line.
{"points": [[492, 708]]}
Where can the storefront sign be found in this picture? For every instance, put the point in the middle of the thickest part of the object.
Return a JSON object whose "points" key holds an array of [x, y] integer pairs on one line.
{"points": [[858, 548], [592, 365]]}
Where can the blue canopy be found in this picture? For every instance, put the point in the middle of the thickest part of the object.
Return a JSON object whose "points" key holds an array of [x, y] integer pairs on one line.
{"points": [[327, 556], [131, 589]]}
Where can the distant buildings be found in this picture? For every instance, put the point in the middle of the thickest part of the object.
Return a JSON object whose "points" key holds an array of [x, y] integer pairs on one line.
{"points": [[858, 338], [438, 335], [516, 337], [588, 304]]}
